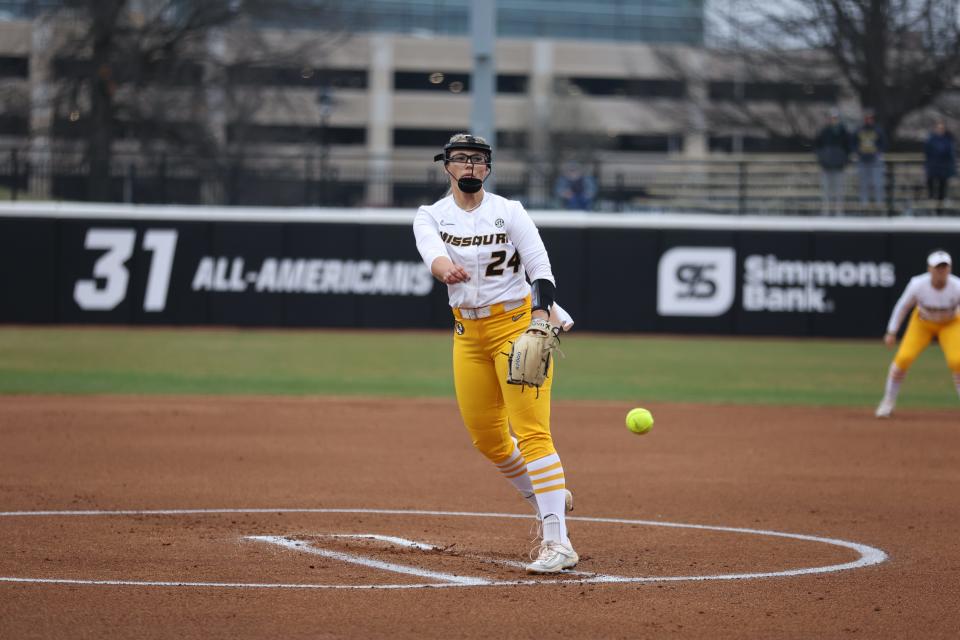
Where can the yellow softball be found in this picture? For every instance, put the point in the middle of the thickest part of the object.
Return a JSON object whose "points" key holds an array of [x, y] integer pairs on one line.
{"points": [[639, 420]]}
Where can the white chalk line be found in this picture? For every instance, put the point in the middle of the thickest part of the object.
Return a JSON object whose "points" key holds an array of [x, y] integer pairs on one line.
{"points": [[369, 562], [401, 542], [868, 555], [423, 546], [298, 544]]}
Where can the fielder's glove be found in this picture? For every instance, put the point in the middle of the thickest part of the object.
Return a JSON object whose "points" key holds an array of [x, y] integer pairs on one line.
{"points": [[530, 355]]}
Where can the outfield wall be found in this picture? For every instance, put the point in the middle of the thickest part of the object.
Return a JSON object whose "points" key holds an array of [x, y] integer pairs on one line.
{"points": [[121, 264]]}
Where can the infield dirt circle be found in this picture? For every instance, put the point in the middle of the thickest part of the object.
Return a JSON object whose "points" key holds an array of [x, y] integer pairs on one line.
{"points": [[318, 517]]}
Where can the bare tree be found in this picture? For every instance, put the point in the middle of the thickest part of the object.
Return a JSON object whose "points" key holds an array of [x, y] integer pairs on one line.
{"points": [[127, 66], [565, 134], [896, 57]]}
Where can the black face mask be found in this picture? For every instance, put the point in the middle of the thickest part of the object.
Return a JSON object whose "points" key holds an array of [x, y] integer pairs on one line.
{"points": [[469, 184]]}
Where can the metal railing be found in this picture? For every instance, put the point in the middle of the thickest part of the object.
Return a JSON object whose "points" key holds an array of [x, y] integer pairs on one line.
{"points": [[749, 185]]}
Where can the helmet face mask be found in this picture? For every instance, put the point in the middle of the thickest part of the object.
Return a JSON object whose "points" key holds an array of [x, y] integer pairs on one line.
{"points": [[467, 150]]}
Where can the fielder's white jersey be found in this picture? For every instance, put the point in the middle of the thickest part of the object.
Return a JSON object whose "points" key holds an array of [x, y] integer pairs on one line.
{"points": [[935, 305], [497, 243]]}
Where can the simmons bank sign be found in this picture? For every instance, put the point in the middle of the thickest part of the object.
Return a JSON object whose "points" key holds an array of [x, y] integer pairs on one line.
{"points": [[702, 281]]}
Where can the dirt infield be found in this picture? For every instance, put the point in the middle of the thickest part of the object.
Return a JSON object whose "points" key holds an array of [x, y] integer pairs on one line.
{"points": [[269, 516]]}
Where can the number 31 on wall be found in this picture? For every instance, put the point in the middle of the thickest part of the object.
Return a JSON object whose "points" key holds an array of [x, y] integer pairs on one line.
{"points": [[111, 269]]}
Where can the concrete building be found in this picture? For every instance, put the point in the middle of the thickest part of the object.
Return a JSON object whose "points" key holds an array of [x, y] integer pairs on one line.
{"points": [[606, 83]]}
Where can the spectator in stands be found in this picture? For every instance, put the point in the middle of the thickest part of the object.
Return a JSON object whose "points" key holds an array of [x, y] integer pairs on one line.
{"points": [[871, 142], [833, 146], [575, 188], [940, 162]]}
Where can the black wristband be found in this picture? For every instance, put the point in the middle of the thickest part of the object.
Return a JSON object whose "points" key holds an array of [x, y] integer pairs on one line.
{"points": [[541, 295]]}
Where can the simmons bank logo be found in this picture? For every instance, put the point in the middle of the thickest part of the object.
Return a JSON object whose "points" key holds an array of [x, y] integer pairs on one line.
{"points": [[702, 281], [696, 281]]}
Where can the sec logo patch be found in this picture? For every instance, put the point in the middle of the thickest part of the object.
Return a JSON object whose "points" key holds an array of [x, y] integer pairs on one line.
{"points": [[458, 327], [499, 223]]}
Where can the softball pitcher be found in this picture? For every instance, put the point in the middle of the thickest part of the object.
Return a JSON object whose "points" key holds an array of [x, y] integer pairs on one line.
{"points": [[485, 248], [936, 296]]}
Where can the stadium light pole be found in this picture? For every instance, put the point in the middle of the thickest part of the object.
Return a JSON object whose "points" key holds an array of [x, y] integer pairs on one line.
{"points": [[483, 30]]}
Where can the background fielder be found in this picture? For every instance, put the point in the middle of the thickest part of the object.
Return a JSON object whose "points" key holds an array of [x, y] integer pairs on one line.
{"points": [[485, 247], [936, 296]]}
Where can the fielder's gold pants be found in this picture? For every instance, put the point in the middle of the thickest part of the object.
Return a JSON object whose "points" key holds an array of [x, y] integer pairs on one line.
{"points": [[489, 406], [918, 335]]}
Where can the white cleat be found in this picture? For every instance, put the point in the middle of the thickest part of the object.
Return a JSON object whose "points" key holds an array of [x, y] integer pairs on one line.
{"points": [[885, 408], [554, 557]]}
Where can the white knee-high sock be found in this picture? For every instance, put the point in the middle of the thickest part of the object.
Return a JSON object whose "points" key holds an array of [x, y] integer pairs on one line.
{"points": [[514, 469], [894, 380], [546, 474]]}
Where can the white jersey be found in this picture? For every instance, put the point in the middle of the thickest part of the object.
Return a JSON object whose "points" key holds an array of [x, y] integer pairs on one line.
{"points": [[497, 243], [935, 305]]}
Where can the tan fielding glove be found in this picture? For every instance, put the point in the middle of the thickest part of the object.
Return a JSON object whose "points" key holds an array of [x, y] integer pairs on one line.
{"points": [[530, 355]]}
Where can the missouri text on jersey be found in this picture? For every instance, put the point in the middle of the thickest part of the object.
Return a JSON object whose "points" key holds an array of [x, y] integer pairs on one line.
{"points": [[475, 241]]}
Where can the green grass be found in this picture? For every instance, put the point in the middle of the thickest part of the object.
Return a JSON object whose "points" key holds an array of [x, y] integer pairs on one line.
{"points": [[627, 368]]}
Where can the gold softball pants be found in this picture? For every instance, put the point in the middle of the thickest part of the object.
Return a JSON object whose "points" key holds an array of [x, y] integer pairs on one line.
{"points": [[921, 332], [491, 407]]}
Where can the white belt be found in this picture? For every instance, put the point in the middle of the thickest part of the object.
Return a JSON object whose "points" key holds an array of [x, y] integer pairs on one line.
{"points": [[937, 316], [477, 313]]}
